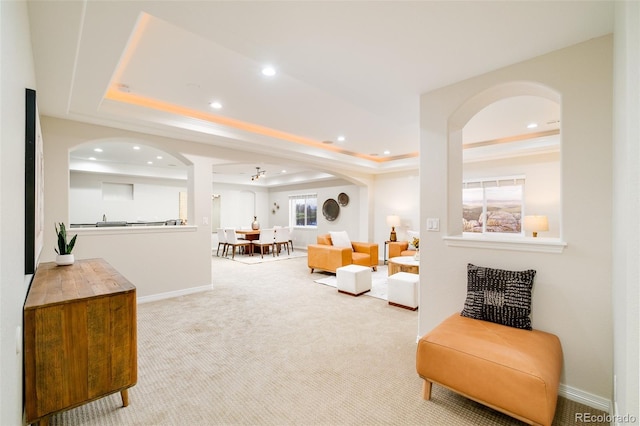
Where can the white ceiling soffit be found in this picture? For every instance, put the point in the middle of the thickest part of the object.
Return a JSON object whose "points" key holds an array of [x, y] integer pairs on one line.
{"points": [[355, 69]]}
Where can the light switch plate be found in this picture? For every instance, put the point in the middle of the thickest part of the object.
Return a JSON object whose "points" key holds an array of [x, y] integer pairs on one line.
{"points": [[433, 224]]}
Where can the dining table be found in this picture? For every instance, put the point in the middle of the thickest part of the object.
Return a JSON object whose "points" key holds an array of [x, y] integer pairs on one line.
{"points": [[249, 234]]}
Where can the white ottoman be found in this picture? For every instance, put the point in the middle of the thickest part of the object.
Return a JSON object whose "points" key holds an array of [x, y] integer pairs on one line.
{"points": [[403, 290], [354, 279]]}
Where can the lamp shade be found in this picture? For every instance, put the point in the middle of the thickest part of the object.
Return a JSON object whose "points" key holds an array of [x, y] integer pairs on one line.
{"points": [[393, 220], [535, 224]]}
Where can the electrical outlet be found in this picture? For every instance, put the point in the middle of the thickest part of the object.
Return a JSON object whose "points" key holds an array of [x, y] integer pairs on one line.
{"points": [[205, 220], [18, 340]]}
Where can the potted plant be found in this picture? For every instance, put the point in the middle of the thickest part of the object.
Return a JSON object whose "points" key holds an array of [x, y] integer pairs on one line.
{"points": [[64, 249]]}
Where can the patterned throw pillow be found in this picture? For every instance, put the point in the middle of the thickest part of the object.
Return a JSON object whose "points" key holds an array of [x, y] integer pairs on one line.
{"points": [[499, 296]]}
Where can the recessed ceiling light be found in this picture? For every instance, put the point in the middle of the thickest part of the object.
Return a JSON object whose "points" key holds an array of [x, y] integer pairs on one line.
{"points": [[269, 71], [159, 157], [215, 105], [92, 158], [341, 138], [327, 142], [149, 162], [532, 125], [97, 149], [137, 148], [387, 152], [284, 171]]}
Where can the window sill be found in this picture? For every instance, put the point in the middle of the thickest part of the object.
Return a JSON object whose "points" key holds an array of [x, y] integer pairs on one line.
{"points": [[540, 245], [119, 230]]}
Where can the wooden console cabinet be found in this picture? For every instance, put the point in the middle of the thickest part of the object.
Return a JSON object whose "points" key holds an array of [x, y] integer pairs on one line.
{"points": [[80, 337]]}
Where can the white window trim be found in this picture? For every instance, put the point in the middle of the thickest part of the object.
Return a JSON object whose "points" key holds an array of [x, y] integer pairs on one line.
{"points": [[292, 220], [505, 179], [503, 242]]}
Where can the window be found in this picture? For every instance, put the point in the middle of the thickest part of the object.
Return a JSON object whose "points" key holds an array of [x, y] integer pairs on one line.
{"points": [[493, 205], [303, 210]]}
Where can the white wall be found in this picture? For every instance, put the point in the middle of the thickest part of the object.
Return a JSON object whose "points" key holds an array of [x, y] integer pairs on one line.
{"points": [[626, 232], [396, 194], [173, 261], [17, 73], [572, 290], [234, 207], [348, 219], [153, 200], [240, 203]]}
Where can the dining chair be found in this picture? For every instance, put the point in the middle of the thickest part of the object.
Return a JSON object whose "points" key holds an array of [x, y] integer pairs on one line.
{"points": [[282, 237], [234, 242], [267, 239], [291, 238], [222, 241]]}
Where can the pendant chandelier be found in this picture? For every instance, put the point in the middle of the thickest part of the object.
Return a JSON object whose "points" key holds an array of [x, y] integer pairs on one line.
{"points": [[259, 173]]}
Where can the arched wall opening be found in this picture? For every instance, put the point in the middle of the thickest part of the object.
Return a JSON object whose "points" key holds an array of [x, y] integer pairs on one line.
{"points": [[139, 185], [537, 169]]}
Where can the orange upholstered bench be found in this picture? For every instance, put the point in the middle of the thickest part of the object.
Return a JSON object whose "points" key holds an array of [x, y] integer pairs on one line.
{"points": [[511, 370]]}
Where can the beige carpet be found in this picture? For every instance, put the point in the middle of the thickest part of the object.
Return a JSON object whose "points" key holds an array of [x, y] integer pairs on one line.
{"points": [[268, 346], [256, 258], [378, 282]]}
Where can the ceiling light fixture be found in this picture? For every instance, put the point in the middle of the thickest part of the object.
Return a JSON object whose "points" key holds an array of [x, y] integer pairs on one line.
{"points": [[532, 125], [387, 152], [215, 105], [258, 174], [269, 71], [92, 158], [97, 149], [137, 148], [341, 138]]}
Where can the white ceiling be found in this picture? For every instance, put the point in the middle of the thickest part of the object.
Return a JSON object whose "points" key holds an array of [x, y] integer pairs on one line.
{"points": [[343, 68]]}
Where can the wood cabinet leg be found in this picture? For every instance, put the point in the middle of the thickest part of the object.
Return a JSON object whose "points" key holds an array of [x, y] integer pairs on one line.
{"points": [[125, 397], [426, 390]]}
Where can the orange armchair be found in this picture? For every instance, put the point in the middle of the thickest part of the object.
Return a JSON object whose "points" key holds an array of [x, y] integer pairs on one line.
{"points": [[324, 255], [400, 248]]}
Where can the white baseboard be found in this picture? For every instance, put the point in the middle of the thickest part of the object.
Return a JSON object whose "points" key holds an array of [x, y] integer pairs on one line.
{"points": [[171, 294], [585, 398]]}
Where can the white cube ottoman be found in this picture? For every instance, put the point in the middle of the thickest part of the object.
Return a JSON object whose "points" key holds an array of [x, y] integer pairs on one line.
{"points": [[403, 290], [354, 279]]}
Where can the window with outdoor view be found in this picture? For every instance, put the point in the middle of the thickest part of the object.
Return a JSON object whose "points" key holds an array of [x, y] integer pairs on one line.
{"points": [[493, 205], [303, 210]]}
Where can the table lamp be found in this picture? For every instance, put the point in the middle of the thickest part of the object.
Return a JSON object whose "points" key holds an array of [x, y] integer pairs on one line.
{"points": [[393, 221], [535, 224]]}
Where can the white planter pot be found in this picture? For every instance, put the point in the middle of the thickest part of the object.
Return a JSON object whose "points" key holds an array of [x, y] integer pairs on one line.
{"points": [[65, 259]]}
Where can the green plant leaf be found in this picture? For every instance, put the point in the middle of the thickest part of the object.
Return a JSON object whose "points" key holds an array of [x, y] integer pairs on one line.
{"points": [[71, 244], [63, 247]]}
